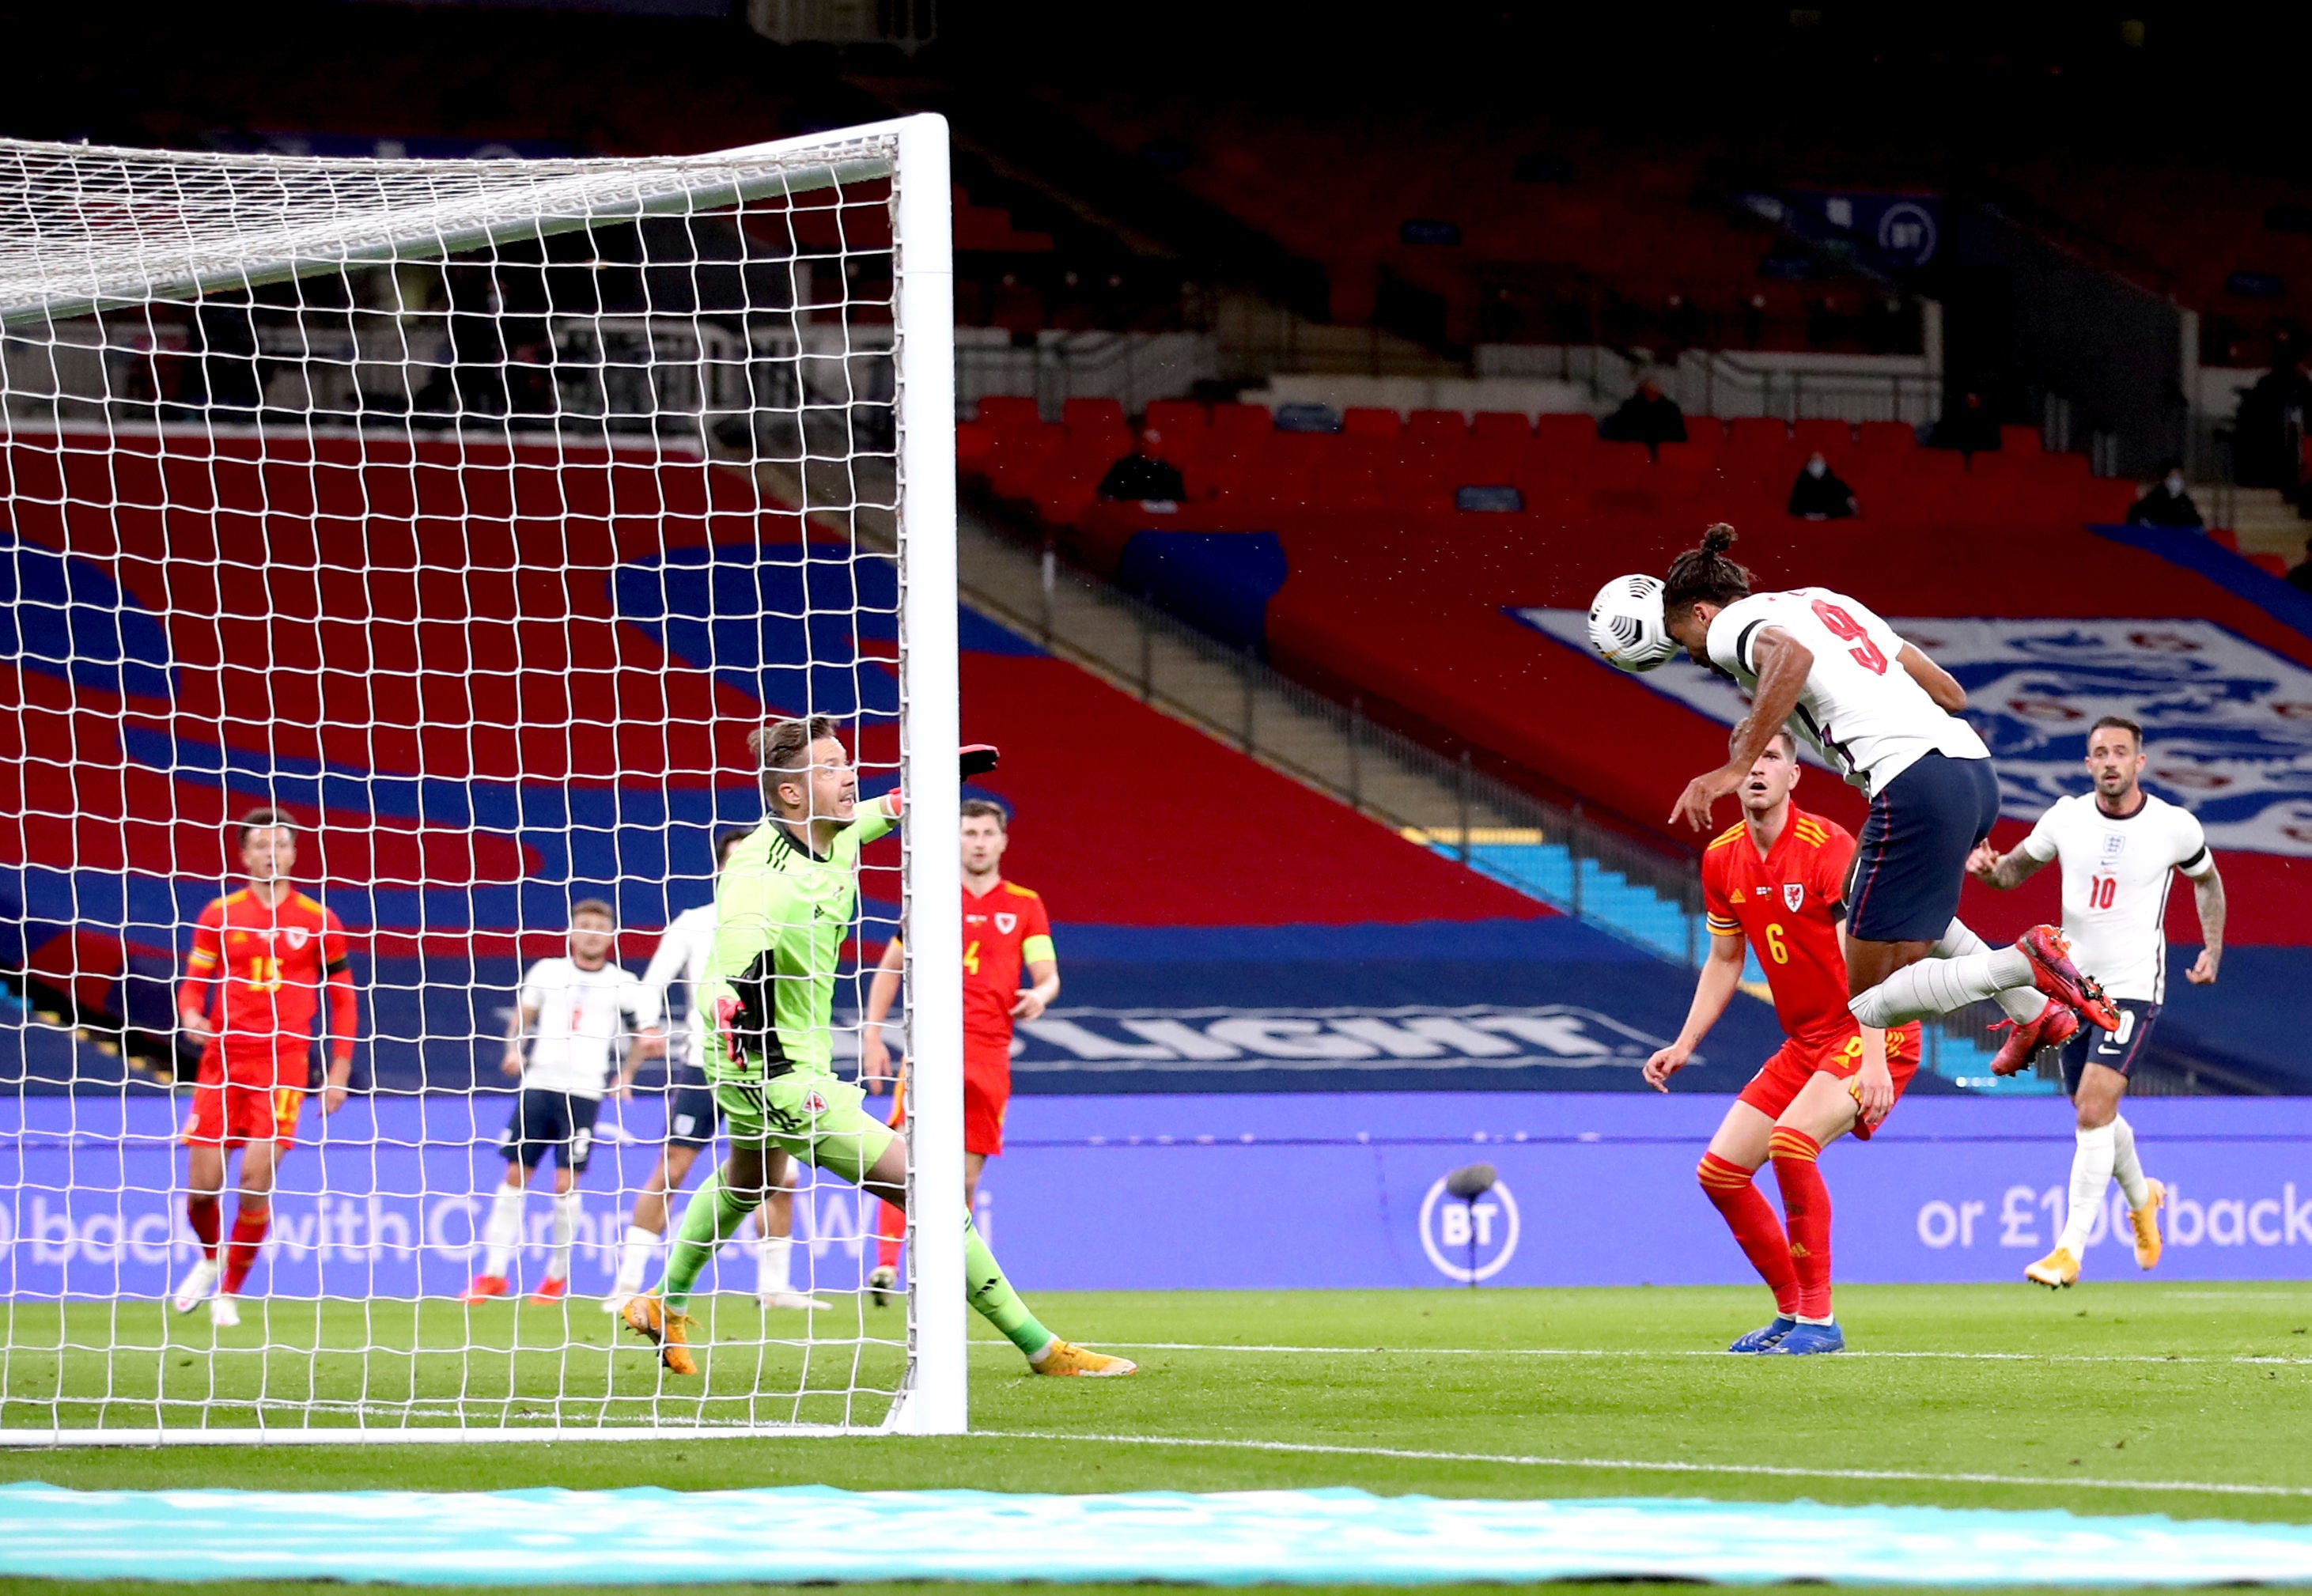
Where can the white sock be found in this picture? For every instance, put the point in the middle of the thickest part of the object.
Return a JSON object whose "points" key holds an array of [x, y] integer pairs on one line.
{"points": [[2090, 1178], [504, 1231], [2023, 1003], [775, 1262], [2126, 1166], [635, 1258], [1939, 985], [565, 1226], [1803, 1318]]}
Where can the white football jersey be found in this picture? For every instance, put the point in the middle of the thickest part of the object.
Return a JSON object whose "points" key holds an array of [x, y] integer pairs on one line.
{"points": [[1861, 710], [581, 1013], [2117, 872], [681, 956]]}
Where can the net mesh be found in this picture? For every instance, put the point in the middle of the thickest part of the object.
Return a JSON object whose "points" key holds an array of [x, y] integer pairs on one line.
{"points": [[471, 513]]}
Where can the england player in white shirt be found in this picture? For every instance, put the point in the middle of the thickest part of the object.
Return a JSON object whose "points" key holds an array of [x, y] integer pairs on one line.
{"points": [[1883, 714], [691, 1120], [582, 1007], [2120, 847]]}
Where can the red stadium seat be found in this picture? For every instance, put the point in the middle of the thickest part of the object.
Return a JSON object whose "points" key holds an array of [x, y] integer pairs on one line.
{"points": [[1008, 412], [1563, 433], [1237, 420], [1756, 434], [1369, 421], [2018, 440], [1892, 436], [1180, 417], [1093, 415], [1826, 433], [1437, 427], [1498, 428]]}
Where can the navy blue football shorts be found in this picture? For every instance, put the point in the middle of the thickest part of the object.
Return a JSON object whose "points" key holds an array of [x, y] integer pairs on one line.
{"points": [[691, 1112], [547, 1121], [1911, 860], [2113, 1049]]}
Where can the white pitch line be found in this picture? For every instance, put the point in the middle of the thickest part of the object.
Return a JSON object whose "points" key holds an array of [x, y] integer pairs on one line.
{"points": [[1770, 1470], [1673, 1352]]}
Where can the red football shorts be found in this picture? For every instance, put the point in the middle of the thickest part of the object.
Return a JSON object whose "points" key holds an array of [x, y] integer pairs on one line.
{"points": [[1780, 1080], [986, 1096], [228, 1114]]}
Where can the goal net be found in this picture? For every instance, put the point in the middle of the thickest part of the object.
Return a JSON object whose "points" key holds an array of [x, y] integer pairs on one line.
{"points": [[469, 514]]}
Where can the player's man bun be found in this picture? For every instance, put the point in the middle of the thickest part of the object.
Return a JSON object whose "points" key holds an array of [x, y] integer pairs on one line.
{"points": [[1705, 575]]}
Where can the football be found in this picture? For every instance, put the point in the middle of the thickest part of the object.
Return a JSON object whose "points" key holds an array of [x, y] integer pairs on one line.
{"points": [[1625, 624]]}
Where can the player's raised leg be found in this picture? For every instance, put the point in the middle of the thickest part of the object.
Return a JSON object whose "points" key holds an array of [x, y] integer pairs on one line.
{"points": [[844, 1140]]}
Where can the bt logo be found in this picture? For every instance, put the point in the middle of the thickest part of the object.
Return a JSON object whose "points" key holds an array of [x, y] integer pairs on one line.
{"points": [[1469, 1240]]}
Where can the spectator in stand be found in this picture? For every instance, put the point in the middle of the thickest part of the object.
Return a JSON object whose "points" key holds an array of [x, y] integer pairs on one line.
{"points": [[1971, 428], [1141, 476], [1819, 495], [1647, 416], [2166, 504], [2300, 576]]}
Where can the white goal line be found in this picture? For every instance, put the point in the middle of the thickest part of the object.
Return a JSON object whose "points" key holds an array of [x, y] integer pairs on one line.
{"points": [[1678, 1352], [1768, 1471]]}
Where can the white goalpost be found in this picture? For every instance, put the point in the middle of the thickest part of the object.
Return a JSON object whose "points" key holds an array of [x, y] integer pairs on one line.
{"points": [[469, 514]]}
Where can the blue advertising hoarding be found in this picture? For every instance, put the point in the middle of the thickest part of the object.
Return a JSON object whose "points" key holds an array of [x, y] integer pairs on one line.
{"points": [[1239, 1190]]}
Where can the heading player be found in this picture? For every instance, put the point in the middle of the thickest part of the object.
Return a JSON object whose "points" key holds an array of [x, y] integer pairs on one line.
{"points": [[270, 950], [1886, 716], [1005, 928], [579, 1006], [692, 1119], [783, 909], [1777, 883], [2118, 846]]}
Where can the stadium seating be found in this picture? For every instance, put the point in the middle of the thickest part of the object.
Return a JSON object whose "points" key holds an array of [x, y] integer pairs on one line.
{"points": [[1242, 472], [349, 687], [1407, 604], [1537, 235]]}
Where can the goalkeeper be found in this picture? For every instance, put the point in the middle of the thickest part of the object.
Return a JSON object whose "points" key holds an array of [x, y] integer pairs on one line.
{"points": [[784, 903]]}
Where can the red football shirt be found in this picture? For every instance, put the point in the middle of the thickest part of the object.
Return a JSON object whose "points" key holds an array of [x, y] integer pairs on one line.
{"points": [[1004, 931], [1790, 905], [272, 963]]}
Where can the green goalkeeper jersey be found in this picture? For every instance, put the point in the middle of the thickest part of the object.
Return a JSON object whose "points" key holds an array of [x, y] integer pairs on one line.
{"points": [[781, 913]]}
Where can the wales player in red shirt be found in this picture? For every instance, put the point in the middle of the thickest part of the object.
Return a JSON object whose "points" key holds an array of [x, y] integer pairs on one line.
{"points": [[1777, 883], [1005, 928], [271, 951]]}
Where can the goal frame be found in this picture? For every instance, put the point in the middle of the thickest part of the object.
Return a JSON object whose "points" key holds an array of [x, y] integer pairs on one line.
{"points": [[913, 152]]}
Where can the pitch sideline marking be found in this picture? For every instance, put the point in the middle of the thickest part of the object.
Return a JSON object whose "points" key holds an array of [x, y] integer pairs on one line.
{"points": [[1674, 1352], [1774, 1470]]}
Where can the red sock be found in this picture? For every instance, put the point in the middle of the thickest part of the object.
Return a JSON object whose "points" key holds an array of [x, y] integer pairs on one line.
{"points": [[249, 1223], [1805, 1201], [202, 1212], [1751, 1217], [890, 1228]]}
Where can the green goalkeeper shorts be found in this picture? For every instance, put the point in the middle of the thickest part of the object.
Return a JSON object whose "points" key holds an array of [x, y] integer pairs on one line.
{"points": [[808, 1114]]}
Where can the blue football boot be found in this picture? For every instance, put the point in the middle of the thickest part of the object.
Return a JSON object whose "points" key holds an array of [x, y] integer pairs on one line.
{"points": [[1765, 1335], [1805, 1338]]}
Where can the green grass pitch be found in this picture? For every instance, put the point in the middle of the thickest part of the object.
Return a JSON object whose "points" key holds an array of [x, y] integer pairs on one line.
{"points": [[2113, 1398]]}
